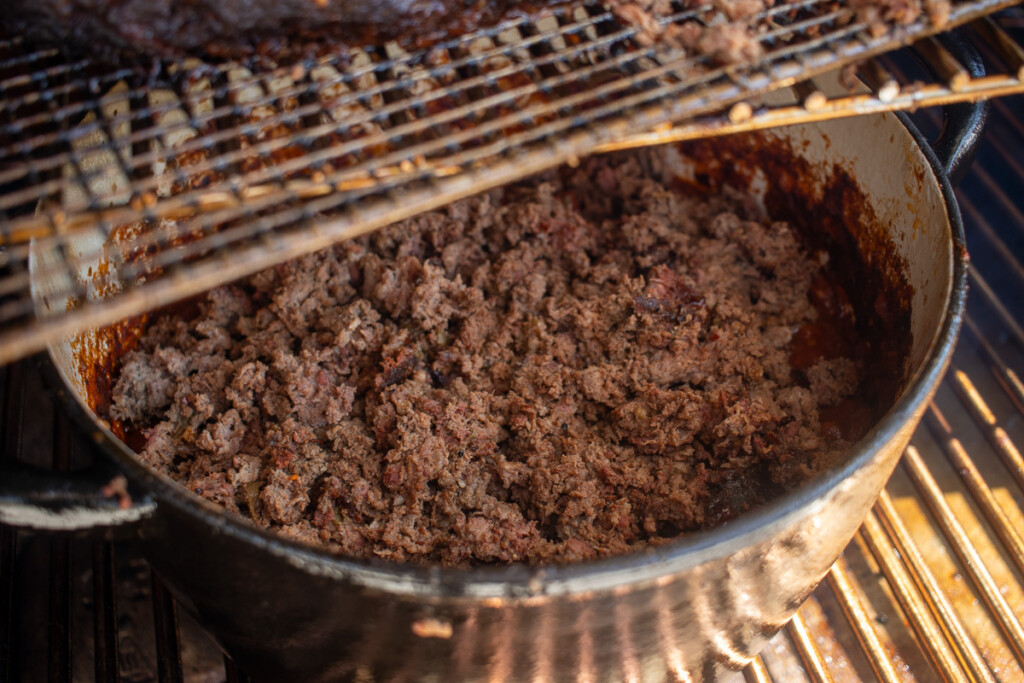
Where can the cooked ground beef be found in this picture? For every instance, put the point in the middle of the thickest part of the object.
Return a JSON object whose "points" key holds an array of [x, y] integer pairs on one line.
{"points": [[560, 370]]}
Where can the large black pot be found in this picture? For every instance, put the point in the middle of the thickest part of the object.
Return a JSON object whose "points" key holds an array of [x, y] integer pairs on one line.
{"points": [[690, 609]]}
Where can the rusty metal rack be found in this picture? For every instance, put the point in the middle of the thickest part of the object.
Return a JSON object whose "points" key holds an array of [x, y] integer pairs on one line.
{"points": [[931, 589], [150, 187]]}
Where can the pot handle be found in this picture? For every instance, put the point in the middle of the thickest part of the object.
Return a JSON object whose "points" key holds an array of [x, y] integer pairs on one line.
{"points": [[95, 498], [962, 124]]}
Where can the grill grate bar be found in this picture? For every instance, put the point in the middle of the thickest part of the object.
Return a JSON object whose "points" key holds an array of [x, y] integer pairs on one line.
{"points": [[10, 434], [921, 619], [22, 59], [840, 581], [1009, 261], [8, 541], [949, 69], [60, 569], [880, 80], [968, 471], [809, 653], [1008, 380], [60, 611], [168, 642], [998, 40], [757, 672], [39, 77], [231, 672], [986, 421], [928, 587], [965, 550], [1006, 318]]}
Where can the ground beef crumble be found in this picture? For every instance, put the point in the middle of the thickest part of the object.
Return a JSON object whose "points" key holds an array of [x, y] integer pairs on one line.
{"points": [[560, 370]]}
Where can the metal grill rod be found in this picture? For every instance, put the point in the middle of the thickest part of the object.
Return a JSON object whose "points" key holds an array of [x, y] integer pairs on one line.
{"points": [[840, 581], [756, 672], [925, 582], [808, 651], [968, 472], [105, 667], [10, 437], [965, 550]]}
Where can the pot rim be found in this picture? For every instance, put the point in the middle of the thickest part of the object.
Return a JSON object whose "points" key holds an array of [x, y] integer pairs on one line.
{"points": [[500, 585]]}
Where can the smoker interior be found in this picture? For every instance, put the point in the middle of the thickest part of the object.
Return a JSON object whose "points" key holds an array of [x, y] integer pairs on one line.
{"points": [[85, 609], [931, 587]]}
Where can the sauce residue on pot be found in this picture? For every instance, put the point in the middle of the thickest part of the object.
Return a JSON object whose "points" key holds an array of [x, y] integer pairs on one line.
{"points": [[863, 300], [97, 354]]}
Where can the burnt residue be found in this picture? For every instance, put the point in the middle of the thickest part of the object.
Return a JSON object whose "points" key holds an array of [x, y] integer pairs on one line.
{"points": [[865, 274]]}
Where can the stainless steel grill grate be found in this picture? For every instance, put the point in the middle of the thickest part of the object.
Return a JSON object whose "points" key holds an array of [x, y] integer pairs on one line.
{"points": [[148, 188]]}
